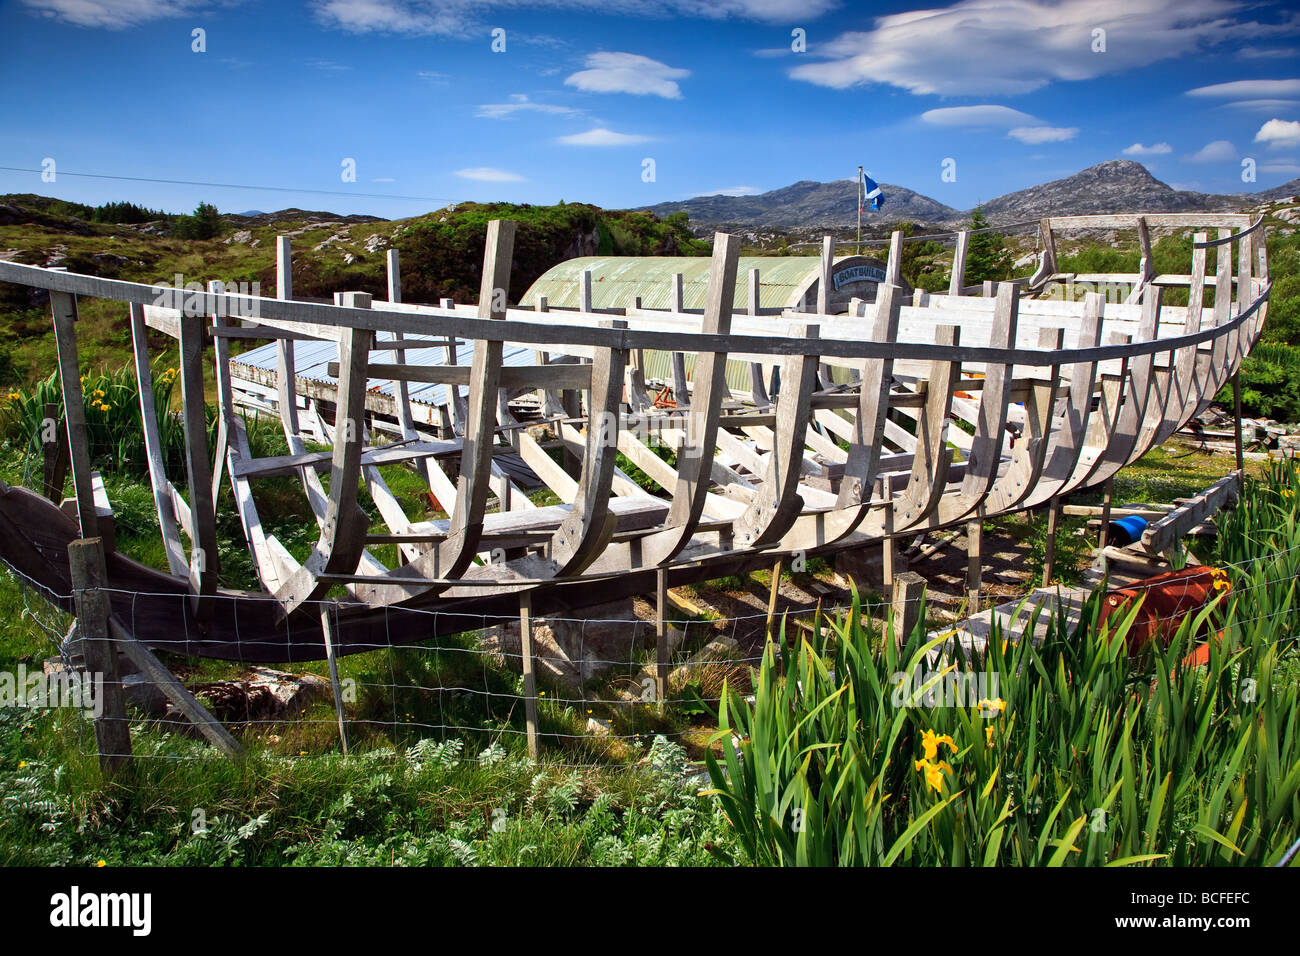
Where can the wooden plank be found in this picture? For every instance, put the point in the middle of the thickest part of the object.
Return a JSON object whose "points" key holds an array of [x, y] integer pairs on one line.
{"points": [[1160, 536], [172, 546]]}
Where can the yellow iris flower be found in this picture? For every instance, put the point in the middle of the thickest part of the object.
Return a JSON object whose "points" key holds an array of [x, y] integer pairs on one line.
{"points": [[930, 744]]}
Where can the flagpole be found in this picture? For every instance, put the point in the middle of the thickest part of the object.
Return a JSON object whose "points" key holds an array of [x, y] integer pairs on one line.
{"points": [[859, 210]]}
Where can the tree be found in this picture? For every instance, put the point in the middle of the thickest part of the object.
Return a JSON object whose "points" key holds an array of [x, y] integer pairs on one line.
{"points": [[987, 256], [203, 224]]}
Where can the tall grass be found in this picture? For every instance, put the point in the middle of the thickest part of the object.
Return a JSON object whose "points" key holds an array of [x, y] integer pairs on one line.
{"points": [[1089, 756], [113, 418]]}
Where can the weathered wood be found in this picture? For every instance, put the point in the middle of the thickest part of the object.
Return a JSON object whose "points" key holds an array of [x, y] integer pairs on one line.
{"points": [[176, 692], [89, 577], [526, 664], [336, 688], [662, 660], [960, 251], [172, 547], [1049, 548], [702, 423], [909, 589], [63, 311], [974, 564], [205, 561]]}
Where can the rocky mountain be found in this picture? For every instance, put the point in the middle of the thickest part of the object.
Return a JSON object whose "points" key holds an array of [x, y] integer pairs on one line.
{"points": [[808, 204], [1117, 185], [1285, 191]]}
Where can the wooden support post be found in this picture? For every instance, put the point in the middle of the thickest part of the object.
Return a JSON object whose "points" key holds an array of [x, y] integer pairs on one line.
{"points": [[958, 280], [824, 284], [661, 633], [327, 632], [526, 662], [974, 563], [894, 265], [63, 310], [888, 547], [176, 692], [1236, 430], [204, 559], [55, 444], [394, 277], [909, 587], [1049, 550], [584, 292], [1108, 493], [89, 578], [772, 593]]}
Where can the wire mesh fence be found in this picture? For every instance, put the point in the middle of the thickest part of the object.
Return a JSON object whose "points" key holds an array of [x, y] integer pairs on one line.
{"points": [[603, 692]]}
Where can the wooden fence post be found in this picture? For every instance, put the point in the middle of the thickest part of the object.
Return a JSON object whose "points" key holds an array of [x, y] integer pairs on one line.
{"points": [[526, 661], [661, 633], [89, 577], [1049, 549], [974, 563], [909, 588]]}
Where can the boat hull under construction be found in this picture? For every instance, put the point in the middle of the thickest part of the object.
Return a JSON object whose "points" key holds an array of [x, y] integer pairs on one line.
{"points": [[897, 418]]}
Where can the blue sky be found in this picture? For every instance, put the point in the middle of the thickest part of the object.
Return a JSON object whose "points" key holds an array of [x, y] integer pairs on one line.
{"points": [[713, 91]]}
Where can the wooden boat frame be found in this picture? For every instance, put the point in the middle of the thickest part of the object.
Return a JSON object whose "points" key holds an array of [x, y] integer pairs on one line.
{"points": [[949, 408]]}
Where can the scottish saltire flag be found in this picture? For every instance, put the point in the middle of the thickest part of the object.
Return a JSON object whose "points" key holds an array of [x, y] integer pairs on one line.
{"points": [[872, 192]]}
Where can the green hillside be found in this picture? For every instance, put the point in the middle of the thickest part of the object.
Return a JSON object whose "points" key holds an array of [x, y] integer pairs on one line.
{"points": [[441, 255]]}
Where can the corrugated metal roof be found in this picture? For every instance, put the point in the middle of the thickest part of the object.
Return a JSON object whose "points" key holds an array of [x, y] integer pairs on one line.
{"points": [[311, 360], [617, 280]]}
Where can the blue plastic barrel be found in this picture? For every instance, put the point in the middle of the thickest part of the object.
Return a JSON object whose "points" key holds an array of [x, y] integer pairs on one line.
{"points": [[1127, 530]]}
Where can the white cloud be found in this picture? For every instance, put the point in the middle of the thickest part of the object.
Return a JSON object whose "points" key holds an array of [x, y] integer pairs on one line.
{"points": [[520, 103], [603, 137], [1278, 132], [1285, 169], [1249, 89], [111, 14], [1266, 53], [488, 174], [1155, 149], [628, 73], [1219, 151], [986, 115], [1043, 134], [1260, 106], [1021, 126], [462, 18], [981, 47]]}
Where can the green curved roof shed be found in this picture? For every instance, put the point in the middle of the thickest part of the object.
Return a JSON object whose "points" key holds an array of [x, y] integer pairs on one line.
{"points": [[785, 282]]}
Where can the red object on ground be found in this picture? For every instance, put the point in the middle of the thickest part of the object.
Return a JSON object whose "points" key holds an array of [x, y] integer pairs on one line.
{"points": [[1169, 598]]}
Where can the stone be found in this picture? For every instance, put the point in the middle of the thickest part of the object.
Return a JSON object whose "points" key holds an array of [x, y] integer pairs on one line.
{"points": [[375, 243], [574, 651], [241, 237]]}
